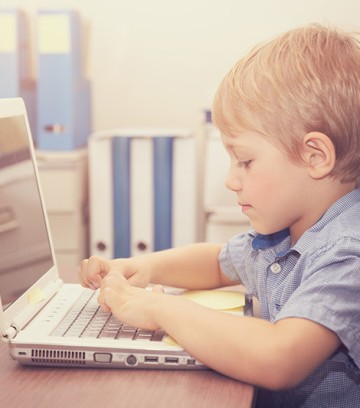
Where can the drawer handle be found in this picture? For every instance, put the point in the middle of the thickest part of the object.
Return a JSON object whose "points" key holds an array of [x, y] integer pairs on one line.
{"points": [[54, 128]]}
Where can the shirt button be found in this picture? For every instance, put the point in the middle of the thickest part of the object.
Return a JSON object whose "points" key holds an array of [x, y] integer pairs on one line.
{"points": [[275, 267]]}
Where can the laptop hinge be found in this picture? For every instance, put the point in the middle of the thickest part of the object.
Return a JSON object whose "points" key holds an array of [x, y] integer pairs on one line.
{"points": [[32, 306], [10, 333]]}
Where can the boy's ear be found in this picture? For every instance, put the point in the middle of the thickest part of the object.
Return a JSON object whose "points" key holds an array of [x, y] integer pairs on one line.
{"points": [[319, 154]]}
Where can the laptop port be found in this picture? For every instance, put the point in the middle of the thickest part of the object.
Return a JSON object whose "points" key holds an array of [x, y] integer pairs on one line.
{"points": [[102, 357], [191, 362], [131, 360], [171, 360], [151, 359]]}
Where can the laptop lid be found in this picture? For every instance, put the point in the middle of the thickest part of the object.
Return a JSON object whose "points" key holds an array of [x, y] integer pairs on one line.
{"points": [[28, 272]]}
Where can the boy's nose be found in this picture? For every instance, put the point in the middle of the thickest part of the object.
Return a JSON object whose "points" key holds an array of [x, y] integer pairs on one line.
{"points": [[232, 182]]}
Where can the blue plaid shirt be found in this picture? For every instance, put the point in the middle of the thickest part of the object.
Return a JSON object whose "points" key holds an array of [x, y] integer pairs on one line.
{"points": [[317, 279]]}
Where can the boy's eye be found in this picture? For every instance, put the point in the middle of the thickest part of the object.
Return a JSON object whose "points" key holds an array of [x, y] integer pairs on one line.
{"points": [[244, 163]]}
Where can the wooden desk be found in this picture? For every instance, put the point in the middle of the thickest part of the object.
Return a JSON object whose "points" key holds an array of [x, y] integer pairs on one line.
{"points": [[23, 386]]}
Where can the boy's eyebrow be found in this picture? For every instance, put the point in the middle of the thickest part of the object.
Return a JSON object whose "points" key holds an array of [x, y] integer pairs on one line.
{"points": [[232, 143], [237, 147]]}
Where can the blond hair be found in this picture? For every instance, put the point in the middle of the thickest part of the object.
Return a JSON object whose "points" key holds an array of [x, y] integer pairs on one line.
{"points": [[307, 79]]}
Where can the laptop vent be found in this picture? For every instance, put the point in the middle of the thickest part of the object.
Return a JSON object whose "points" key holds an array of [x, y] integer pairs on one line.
{"points": [[57, 357]]}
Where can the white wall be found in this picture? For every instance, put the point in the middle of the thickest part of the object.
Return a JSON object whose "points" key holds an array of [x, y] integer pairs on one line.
{"points": [[158, 62]]}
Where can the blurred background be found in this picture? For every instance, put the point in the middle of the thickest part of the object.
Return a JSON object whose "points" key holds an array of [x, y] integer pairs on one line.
{"points": [[122, 73], [158, 62]]}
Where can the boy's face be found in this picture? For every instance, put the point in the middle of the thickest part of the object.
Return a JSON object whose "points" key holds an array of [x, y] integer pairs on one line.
{"points": [[270, 188]]}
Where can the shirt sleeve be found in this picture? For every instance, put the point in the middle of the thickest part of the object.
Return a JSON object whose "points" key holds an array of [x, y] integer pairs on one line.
{"points": [[236, 261]]}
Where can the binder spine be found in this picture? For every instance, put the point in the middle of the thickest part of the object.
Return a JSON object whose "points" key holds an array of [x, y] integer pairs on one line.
{"points": [[163, 185], [121, 150], [184, 192], [142, 191], [10, 54], [101, 197]]}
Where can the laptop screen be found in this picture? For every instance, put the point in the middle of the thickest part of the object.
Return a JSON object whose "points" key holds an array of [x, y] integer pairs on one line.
{"points": [[25, 252]]}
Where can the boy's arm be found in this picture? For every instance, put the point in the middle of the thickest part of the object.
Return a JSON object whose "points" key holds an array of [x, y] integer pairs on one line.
{"points": [[274, 356], [194, 267]]}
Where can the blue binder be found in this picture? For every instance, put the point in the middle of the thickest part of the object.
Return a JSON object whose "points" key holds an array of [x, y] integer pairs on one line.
{"points": [[121, 187], [163, 182], [15, 78], [64, 108]]}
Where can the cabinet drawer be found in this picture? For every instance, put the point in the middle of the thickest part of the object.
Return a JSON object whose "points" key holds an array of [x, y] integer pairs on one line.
{"points": [[63, 179], [69, 230], [69, 258]]}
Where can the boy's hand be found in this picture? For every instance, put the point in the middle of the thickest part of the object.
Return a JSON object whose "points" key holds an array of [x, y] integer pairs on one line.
{"points": [[128, 303], [92, 271], [95, 269]]}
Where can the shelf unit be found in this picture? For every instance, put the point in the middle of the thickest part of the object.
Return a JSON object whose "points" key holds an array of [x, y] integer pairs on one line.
{"points": [[64, 181]]}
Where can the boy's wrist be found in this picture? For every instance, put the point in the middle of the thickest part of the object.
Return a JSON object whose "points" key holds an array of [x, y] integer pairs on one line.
{"points": [[163, 309], [157, 307]]}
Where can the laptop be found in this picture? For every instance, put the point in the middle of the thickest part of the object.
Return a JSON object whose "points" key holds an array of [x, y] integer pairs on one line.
{"points": [[45, 321]]}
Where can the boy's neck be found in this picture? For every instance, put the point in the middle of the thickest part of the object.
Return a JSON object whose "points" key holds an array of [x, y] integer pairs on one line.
{"points": [[323, 196]]}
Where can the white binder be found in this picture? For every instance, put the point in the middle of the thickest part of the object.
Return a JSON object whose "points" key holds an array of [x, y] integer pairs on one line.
{"points": [[101, 196], [142, 196]]}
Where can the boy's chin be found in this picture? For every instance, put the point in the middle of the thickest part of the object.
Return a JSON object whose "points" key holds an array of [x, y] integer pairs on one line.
{"points": [[265, 230]]}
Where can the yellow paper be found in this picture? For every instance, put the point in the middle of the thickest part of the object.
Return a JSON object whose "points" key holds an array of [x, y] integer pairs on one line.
{"points": [[171, 341], [217, 299], [54, 34], [35, 296], [7, 32], [237, 310]]}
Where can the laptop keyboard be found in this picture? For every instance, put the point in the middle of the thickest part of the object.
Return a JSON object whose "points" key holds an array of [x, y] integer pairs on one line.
{"points": [[87, 319]]}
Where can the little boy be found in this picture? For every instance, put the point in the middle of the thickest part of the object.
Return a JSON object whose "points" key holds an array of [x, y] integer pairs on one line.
{"points": [[289, 116]]}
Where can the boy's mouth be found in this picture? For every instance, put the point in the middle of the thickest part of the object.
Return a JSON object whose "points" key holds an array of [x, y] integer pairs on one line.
{"points": [[244, 206]]}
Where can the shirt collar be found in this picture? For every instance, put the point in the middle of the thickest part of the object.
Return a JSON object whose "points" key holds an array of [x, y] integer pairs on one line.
{"points": [[267, 241]]}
